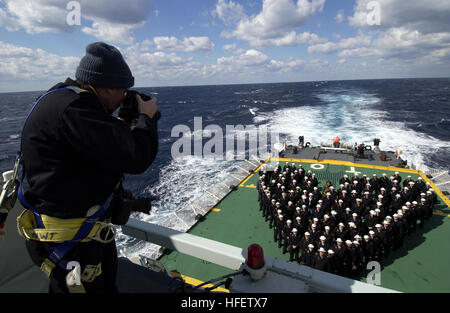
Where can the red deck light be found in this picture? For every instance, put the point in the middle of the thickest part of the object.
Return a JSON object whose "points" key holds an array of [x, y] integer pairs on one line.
{"points": [[255, 256]]}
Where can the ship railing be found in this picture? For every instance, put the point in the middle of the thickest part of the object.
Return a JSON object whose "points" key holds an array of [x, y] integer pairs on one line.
{"points": [[281, 276]]}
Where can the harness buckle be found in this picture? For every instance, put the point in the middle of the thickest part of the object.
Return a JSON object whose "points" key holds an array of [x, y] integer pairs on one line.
{"points": [[106, 233]]}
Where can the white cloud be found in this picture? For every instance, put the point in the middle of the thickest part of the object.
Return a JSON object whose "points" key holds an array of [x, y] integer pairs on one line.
{"points": [[188, 44], [112, 20], [21, 63], [346, 43], [425, 15], [340, 17], [229, 12], [276, 24]]}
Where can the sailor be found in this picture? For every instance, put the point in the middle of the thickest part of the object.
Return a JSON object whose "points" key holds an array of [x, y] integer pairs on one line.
{"points": [[331, 262], [398, 178], [75, 155], [407, 181], [333, 220], [343, 180], [341, 232], [300, 225], [321, 261], [380, 234], [323, 243], [318, 213], [329, 237], [278, 229], [286, 232], [396, 232], [347, 217], [429, 199], [388, 241], [309, 256], [371, 220], [333, 193], [375, 183], [376, 247], [403, 229], [304, 242], [358, 207], [342, 257], [314, 180], [327, 203], [367, 202], [294, 245]]}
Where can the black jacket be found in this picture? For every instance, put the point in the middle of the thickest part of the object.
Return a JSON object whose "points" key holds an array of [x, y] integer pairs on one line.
{"points": [[75, 152]]}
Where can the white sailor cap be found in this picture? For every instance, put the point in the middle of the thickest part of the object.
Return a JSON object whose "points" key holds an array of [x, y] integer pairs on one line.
{"points": [[388, 217], [422, 199], [395, 181], [358, 199], [347, 209], [273, 200], [298, 218], [352, 224], [382, 188], [273, 180], [354, 214], [377, 210], [420, 178], [349, 242], [288, 221], [406, 188], [330, 251], [367, 193], [303, 205], [322, 238], [298, 187], [422, 193], [396, 173], [290, 202], [414, 202], [384, 174], [366, 237], [328, 194], [408, 203], [405, 207], [355, 181], [345, 176], [327, 216], [327, 227], [353, 191], [333, 212], [283, 187], [379, 203], [356, 242], [318, 205], [341, 224], [398, 195], [310, 194], [380, 196], [281, 216], [294, 230], [332, 187], [311, 246], [429, 192], [315, 188], [411, 183], [320, 201], [374, 175], [371, 232], [400, 214], [340, 200], [395, 215], [307, 234], [341, 185], [339, 240], [357, 237], [344, 191], [278, 203], [322, 249], [313, 226], [372, 212], [378, 225], [315, 219], [279, 211]]}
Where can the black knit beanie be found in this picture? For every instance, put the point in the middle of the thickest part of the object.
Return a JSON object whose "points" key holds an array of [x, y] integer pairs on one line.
{"points": [[104, 66]]}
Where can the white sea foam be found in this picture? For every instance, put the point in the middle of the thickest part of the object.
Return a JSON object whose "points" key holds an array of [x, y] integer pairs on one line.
{"points": [[352, 117]]}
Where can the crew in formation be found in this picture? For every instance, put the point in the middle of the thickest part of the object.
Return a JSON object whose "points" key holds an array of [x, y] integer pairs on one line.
{"points": [[341, 229]]}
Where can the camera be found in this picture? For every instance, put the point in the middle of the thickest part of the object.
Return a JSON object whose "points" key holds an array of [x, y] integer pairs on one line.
{"points": [[129, 110]]}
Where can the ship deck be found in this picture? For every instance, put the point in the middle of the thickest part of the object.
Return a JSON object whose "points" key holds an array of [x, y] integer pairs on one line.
{"points": [[421, 265]]}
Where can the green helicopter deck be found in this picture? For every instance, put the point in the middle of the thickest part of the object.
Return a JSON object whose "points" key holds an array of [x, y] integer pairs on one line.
{"points": [[421, 265]]}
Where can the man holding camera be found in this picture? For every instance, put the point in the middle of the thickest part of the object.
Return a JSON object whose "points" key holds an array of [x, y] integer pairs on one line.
{"points": [[75, 155]]}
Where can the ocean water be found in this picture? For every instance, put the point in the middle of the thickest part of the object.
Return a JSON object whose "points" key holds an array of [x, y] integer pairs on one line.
{"points": [[412, 115]]}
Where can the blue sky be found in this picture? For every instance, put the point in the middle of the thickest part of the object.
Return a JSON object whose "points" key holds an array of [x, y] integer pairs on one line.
{"points": [[196, 42]]}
